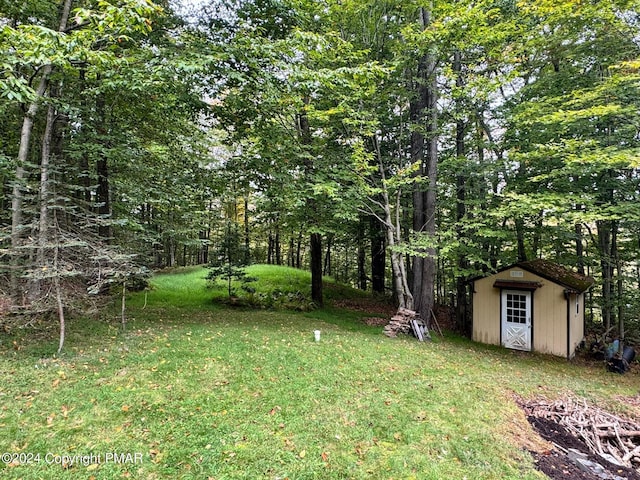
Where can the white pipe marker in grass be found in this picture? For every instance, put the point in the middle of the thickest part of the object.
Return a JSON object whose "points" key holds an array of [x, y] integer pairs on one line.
{"points": [[316, 333]]}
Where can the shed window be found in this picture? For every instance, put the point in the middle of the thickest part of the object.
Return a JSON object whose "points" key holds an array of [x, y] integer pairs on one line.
{"points": [[516, 308]]}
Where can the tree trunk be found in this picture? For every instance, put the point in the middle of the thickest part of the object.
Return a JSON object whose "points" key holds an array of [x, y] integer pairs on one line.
{"points": [[522, 252], [537, 235], [461, 207], [316, 238], [378, 255], [299, 250], [59, 300], [247, 240], [61, 319], [579, 249], [401, 284], [316, 269], [417, 108], [290, 258], [362, 256], [123, 307], [392, 228], [424, 291], [23, 155], [417, 113], [618, 300], [270, 245], [43, 230], [203, 256], [327, 257], [172, 252], [277, 246], [103, 195], [84, 179], [604, 240], [423, 111]]}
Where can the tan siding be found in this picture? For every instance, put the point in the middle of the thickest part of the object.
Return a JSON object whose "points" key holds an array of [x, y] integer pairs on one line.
{"points": [[486, 312], [550, 320], [577, 321], [549, 313]]}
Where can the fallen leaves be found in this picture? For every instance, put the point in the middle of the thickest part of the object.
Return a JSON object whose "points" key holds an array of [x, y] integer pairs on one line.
{"points": [[156, 455], [275, 410]]}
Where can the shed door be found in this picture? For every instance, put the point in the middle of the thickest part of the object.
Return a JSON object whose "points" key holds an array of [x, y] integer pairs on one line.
{"points": [[516, 319]]}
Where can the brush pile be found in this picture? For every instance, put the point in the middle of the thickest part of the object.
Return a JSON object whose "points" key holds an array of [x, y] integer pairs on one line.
{"points": [[612, 438]]}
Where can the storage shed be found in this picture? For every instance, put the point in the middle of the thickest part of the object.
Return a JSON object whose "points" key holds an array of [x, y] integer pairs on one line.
{"points": [[535, 305]]}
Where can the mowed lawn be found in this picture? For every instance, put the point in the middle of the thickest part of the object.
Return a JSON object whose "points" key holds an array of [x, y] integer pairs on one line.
{"points": [[192, 390]]}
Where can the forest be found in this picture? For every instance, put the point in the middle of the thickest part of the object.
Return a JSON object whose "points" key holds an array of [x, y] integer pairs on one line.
{"points": [[400, 147]]}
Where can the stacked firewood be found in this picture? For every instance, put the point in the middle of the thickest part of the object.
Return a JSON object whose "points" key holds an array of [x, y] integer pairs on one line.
{"points": [[613, 438], [400, 322]]}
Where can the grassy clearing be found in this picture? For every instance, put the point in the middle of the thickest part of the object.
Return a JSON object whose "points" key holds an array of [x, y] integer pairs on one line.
{"points": [[276, 288], [201, 391]]}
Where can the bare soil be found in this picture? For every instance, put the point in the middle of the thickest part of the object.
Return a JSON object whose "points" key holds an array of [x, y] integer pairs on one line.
{"points": [[556, 464]]}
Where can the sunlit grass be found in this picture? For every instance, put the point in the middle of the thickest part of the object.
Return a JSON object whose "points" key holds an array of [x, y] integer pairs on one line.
{"points": [[204, 392]]}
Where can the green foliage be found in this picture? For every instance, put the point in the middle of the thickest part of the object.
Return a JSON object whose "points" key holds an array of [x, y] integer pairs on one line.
{"points": [[230, 259], [538, 107]]}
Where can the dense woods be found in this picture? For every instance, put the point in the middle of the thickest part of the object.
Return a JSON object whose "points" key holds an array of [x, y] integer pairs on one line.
{"points": [[401, 147]]}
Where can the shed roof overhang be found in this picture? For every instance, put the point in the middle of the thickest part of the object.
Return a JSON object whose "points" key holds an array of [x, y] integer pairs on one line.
{"points": [[517, 284]]}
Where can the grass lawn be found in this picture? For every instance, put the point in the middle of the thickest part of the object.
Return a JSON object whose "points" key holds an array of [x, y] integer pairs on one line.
{"points": [[193, 390]]}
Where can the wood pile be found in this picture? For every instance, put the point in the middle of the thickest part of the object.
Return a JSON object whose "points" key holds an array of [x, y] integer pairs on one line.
{"points": [[400, 323], [613, 438], [407, 321]]}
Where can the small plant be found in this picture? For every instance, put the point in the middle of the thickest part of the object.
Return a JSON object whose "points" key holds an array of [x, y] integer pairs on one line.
{"points": [[230, 260]]}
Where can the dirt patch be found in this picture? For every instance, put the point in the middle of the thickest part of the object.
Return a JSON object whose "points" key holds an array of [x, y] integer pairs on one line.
{"points": [[557, 464], [368, 305], [446, 317], [381, 310], [569, 456], [376, 321]]}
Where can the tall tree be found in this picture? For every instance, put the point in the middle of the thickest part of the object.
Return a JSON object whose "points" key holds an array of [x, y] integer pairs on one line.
{"points": [[424, 152]]}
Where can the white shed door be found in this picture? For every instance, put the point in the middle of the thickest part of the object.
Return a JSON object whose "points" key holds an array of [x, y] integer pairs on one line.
{"points": [[516, 319]]}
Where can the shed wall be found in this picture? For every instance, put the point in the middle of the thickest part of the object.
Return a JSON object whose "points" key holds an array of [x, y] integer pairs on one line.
{"points": [[549, 313], [576, 318], [486, 311]]}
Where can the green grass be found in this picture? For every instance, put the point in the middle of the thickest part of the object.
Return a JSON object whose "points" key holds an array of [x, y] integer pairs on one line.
{"points": [[276, 288], [203, 392]]}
